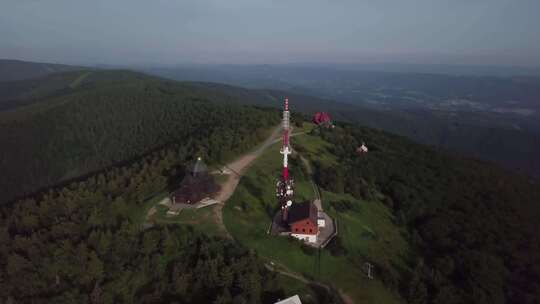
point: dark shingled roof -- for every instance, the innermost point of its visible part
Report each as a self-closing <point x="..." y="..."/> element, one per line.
<point x="302" y="211"/>
<point x="194" y="188"/>
<point x="199" y="167"/>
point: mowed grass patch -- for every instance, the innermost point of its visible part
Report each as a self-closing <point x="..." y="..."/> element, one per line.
<point x="202" y="219"/>
<point x="247" y="216"/>
<point x="308" y="293"/>
<point x="368" y="230"/>
<point x="306" y="127"/>
<point x="314" y="147"/>
<point x="221" y="178"/>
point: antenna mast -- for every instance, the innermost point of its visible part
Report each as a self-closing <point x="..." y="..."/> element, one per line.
<point x="285" y="149"/>
<point x="284" y="186"/>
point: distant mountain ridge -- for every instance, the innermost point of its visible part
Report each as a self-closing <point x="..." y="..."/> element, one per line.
<point x="11" y="70"/>
<point x="444" y="69"/>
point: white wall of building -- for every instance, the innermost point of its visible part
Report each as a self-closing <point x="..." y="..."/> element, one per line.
<point x="311" y="238"/>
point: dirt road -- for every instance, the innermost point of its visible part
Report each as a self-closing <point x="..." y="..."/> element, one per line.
<point x="238" y="167"/>
<point x="283" y="271"/>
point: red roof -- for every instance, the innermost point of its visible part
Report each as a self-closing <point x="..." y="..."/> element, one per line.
<point x="301" y="212"/>
<point x="321" y="118"/>
<point x="302" y="218"/>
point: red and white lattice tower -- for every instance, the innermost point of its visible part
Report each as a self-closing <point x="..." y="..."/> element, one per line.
<point x="285" y="149"/>
<point x="284" y="186"/>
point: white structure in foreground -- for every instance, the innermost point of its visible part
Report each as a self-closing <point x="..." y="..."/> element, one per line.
<point x="309" y="238"/>
<point x="321" y="221"/>
<point x="292" y="300"/>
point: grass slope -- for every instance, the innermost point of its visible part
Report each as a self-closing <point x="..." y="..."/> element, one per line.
<point x="247" y="216"/>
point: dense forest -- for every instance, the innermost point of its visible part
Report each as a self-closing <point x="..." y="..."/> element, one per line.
<point x="105" y="118"/>
<point x="60" y="251"/>
<point x="84" y="242"/>
<point x="473" y="225"/>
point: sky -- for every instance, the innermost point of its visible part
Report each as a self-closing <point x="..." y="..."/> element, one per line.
<point x="168" y="32"/>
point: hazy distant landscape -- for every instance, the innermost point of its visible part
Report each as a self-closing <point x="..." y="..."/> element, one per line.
<point x="97" y="148"/>
<point x="491" y="118"/>
<point x="496" y="118"/>
<point x="270" y="152"/>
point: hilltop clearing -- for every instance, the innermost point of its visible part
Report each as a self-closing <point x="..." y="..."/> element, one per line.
<point x="437" y="228"/>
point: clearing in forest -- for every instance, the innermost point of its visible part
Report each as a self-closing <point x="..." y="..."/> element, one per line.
<point x="367" y="232"/>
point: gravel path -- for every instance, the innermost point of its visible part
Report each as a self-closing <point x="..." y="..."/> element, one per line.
<point x="239" y="166"/>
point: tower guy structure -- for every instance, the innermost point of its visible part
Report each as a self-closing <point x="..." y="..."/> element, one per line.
<point x="305" y="220"/>
<point x="284" y="186"/>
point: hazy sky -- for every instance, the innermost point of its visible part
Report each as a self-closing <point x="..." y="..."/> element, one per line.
<point x="503" y="32"/>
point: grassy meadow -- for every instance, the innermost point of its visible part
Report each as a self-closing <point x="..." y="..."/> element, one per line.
<point x="366" y="232"/>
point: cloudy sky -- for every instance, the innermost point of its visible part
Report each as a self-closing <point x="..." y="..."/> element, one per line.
<point x="492" y="32"/>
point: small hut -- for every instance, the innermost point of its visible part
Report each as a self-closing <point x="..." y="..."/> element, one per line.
<point x="303" y="221"/>
<point x="195" y="186"/>
<point x="322" y="119"/>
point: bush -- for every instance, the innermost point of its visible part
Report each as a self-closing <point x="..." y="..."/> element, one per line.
<point x="345" y="205"/>
<point x="308" y="249"/>
<point x="336" y="247"/>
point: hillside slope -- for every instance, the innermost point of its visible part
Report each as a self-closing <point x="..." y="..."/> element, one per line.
<point x="473" y="225"/>
<point x="488" y="137"/>
<point x="438" y="228"/>
<point x="492" y="118"/>
<point x="15" y="94"/>
<point x="114" y="116"/>
<point x="11" y="70"/>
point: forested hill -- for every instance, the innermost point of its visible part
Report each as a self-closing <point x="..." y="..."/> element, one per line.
<point x="15" y="94"/>
<point x="475" y="134"/>
<point x="474" y="226"/>
<point x="85" y="121"/>
<point x="489" y="137"/>
<point x="17" y="70"/>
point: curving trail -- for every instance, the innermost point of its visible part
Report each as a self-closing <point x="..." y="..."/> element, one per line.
<point x="238" y="167"/>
